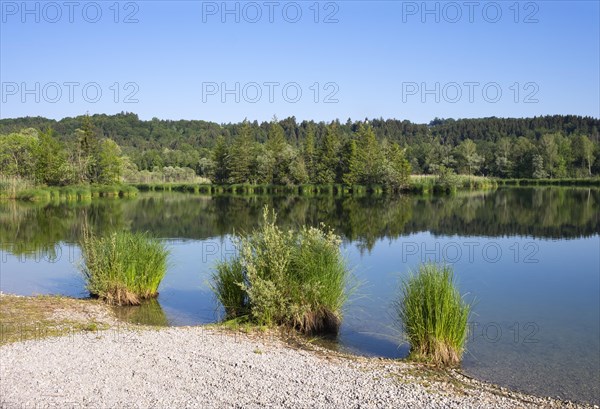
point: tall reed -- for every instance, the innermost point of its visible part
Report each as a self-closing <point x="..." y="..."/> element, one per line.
<point x="123" y="268"/>
<point x="434" y="315"/>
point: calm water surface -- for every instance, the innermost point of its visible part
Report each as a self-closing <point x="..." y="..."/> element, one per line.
<point x="528" y="257"/>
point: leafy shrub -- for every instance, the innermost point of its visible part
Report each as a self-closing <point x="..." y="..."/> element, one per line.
<point x="293" y="278"/>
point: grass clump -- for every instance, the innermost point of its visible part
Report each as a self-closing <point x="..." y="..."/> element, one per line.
<point x="434" y="315"/>
<point x="291" y="278"/>
<point x="123" y="268"/>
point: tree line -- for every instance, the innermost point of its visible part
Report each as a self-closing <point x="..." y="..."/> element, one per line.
<point x="105" y="149"/>
<point x="40" y="157"/>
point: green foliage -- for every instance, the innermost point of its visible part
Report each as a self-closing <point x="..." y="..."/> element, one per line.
<point x="51" y="161"/>
<point x="585" y="152"/>
<point x="220" y="154"/>
<point x="73" y="193"/>
<point x="227" y="286"/>
<point x="289" y="153"/>
<point x="240" y="157"/>
<point x="295" y="278"/>
<point x="109" y="162"/>
<point x="327" y="156"/>
<point x="39" y="156"/>
<point x="470" y="160"/>
<point x="447" y="180"/>
<point x="366" y="165"/>
<point x="396" y="168"/>
<point x="11" y="186"/>
<point x="123" y="268"/>
<point x="434" y="315"/>
<point x="309" y="153"/>
<point x="17" y="153"/>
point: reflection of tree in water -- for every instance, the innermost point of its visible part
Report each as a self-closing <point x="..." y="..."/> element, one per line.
<point x="148" y="313"/>
<point x="537" y="212"/>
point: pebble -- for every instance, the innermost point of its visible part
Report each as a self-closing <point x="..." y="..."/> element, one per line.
<point x="196" y="367"/>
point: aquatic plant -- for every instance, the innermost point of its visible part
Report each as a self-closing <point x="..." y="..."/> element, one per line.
<point x="434" y="315"/>
<point x="123" y="268"/>
<point x="294" y="278"/>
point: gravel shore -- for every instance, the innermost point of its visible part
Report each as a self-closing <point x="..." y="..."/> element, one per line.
<point x="199" y="367"/>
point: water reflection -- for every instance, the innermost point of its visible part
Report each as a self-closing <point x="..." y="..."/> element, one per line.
<point x="529" y="255"/>
<point x="35" y="230"/>
<point x="148" y="313"/>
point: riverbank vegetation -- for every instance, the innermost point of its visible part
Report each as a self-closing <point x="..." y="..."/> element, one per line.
<point x="377" y="154"/>
<point x="445" y="182"/>
<point x="433" y="315"/>
<point x="23" y="318"/>
<point x="21" y="190"/>
<point x="586" y="182"/>
<point x="295" y="278"/>
<point x="123" y="268"/>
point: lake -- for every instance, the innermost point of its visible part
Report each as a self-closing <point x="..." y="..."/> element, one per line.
<point x="529" y="259"/>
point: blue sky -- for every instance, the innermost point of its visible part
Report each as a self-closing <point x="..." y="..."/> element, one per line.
<point x="404" y="60"/>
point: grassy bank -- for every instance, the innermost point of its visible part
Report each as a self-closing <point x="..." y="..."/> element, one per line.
<point x="448" y="183"/>
<point x="434" y="315"/>
<point x="419" y="184"/>
<point x="79" y="193"/>
<point x="23" y="318"/>
<point x="590" y="182"/>
<point x="123" y="268"/>
<point x="291" y="278"/>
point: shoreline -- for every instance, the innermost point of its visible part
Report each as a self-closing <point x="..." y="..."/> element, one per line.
<point x="114" y="364"/>
<point x="417" y="185"/>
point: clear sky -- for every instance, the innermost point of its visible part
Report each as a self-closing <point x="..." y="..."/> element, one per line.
<point x="315" y="60"/>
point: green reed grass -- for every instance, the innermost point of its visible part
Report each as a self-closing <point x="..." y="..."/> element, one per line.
<point x="434" y="315"/>
<point x="34" y="195"/>
<point x="123" y="268"/>
<point x="291" y="278"/>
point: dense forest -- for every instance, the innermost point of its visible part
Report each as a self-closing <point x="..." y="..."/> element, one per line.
<point x="107" y="149"/>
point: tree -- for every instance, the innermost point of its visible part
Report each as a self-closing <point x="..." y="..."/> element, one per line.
<point x="276" y="146"/>
<point x="87" y="151"/>
<point x="539" y="171"/>
<point x="109" y="162"/>
<point x="309" y="152"/>
<point x="583" y="152"/>
<point x="441" y="154"/>
<point x="327" y="155"/>
<point x="366" y="167"/>
<point x="396" y="168"/>
<point x="18" y="153"/>
<point x="262" y="165"/>
<point x="549" y="153"/>
<point x="522" y="157"/>
<point x="220" y="155"/>
<point x="51" y="164"/>
<point x="468" y="156"/>
<point x="350" y="163"/>
<point x="240" y="157"/>
<point x="503" y="163"/>
<point x="297" y="170"/>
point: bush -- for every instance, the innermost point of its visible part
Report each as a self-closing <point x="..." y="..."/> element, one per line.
<point x="434" y="315"/>
<point x="123" y="268"/>
<point x="293" y="278"/>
